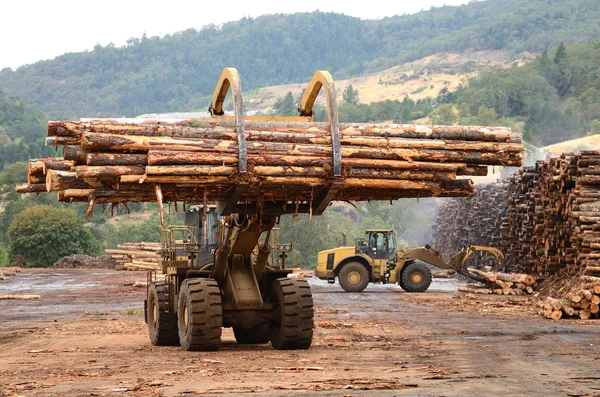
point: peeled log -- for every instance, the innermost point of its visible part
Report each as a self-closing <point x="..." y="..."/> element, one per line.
<point x="464" y="288"/>
<point x="516" y="278"/>
<point x="19" y="297"/>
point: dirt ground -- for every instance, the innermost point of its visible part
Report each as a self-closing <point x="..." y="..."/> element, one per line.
<point x="86" y="337"/>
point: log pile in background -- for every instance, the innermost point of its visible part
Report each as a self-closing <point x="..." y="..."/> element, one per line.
<point x="545" y="219"/>
<point x="106" y="161"/>
<point x="136" y="256"/>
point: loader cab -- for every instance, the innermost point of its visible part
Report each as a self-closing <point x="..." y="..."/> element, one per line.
<point x="377" y="244"/>
<point x="207" y="231"/>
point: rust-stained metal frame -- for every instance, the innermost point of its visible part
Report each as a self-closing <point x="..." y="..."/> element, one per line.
<point x="320" y="79"/>
<point x="323" y="79"/>
<point x="230" y="78"/>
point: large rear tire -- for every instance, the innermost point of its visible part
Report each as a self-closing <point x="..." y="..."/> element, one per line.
<point x="199" y="314"/>
<point x="354" y="277"/>
<point x="253" y="335"/>
<point x="415" y="277"/>
<point x="162" y="326"/>
<point x="291" y="326"/>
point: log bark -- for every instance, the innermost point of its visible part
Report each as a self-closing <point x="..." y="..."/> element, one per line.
<point x="101" y="159"/>
<point x="31" y="188"/>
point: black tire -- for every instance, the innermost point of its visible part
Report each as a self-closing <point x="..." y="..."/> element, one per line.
<point x="162" y="326"/>
<point x="402" y="272"/>
<point x="199" y="315"/>
<point x="292" y="322"/>
<point x="354" y="277"/>
<point x="253" y="335"/>
<point x="415" y="277"/>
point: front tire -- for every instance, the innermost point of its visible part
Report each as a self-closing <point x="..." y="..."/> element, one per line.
<point x="162" y="326"/>
<point x="199" y="315"/>
<point x="291" y="326"/>
<point x="353" y="277"/>
<point x="415" y="277"/>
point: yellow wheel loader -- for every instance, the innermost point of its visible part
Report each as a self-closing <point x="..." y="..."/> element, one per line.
<point x="375" y="259"/>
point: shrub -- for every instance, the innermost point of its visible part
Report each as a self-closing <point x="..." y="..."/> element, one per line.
<point x="42" y="235"/>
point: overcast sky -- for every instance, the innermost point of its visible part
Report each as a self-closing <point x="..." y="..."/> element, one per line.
<point x="34" y="30"/>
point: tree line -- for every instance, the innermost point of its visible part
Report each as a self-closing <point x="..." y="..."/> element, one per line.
<point x="178" y="71"/>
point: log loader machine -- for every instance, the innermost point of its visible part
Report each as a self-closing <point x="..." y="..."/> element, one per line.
<point x="218" y="282"/>
<point x="376" y="260"/>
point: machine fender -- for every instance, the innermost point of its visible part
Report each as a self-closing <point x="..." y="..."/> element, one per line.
<point x="358" y="258"/>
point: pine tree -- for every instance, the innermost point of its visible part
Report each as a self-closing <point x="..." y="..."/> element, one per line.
<point x="350" y="95"/>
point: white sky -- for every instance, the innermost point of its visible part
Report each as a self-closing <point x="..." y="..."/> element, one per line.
<point x="32" y="30"/>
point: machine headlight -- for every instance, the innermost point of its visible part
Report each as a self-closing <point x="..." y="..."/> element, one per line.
<point x="284" y="247"/>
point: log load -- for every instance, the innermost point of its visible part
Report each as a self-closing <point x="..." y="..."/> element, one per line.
<point x="110" y="161"/>
<point x="501" y="283"/>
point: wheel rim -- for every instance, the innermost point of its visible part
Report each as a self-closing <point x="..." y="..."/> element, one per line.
<point x="354" y="277"/>
<point x="416" y="278"/>
<point x="154" y="313"/>
<point x="185" y="316"/>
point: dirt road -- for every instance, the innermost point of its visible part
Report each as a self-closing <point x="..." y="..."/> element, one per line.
<point x="86" y="337"/>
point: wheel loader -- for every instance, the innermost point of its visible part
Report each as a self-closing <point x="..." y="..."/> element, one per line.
<point x="375" y="259"/>
<point x="216" y="271"/>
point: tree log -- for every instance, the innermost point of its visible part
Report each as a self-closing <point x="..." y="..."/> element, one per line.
<point x="99" y="159"/>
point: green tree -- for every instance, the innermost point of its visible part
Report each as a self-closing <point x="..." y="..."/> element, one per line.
<point x="42" y="235"/>
<point x="560" y="54"/>
<point x="350" y="95"/>
<point x="486" y="116"/>
<point x="594" y="127"/>
<point x="444" y="114"/>
<point x="286" y="106"/>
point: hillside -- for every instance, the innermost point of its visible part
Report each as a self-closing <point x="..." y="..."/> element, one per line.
<point x="591" y="142"/>
<point x="419" y="79"/>
<point x="178" y="72"/>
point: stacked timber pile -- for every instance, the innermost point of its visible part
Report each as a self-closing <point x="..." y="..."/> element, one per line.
<point x="549" y="222"/>
<point x="136" y="256"/>
<point x="109" y="161"/>
<point x="580" y="300"/>
<point x="584" y="212"/>
<point x="502" y="284"/>
<point x="476" y="220"/>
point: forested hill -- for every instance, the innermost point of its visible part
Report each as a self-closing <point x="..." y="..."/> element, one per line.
<point x="178" y="72"/>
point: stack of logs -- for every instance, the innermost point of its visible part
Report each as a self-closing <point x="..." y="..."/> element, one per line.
<point x="584" y="304"/>
<point x="502" y="284"/>
<point x="545" y="218"/>
<point x="109" y="161"/>
<point x="136" y="256"/>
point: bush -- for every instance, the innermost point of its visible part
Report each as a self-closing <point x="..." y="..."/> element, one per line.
<point x="42" y="235"/>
